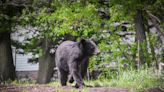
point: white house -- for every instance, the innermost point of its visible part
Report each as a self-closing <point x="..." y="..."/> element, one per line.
<point x="23" y="68"/>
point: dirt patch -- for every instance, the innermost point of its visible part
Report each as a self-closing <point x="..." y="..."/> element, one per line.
<point x="105" y="89"/>
<point x="45" y="88"/>
<point x="40" y="88"/>
<point x="155" y="90"/>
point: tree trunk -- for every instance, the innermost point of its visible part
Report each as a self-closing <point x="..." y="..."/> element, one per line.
<point x="140" y="37"/>
<point x="154" y="22"/>
<point x="46" y="64"/>
<point x="7" y="69"/>
<point x="139" y="25"/>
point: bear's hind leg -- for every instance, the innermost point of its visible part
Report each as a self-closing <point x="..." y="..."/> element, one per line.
<point x="63" y="77"/>
<point x="71" y="80"/>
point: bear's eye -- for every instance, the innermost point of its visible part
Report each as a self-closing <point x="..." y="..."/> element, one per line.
<point x="92" y="48"/>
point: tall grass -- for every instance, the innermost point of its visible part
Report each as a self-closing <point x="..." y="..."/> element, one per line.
<point x="133" y="80"/>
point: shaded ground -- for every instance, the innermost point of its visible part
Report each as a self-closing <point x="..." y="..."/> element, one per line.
<point x="44" y="88"/>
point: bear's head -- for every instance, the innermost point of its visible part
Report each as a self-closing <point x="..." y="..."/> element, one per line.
<point x="89" y="47"/>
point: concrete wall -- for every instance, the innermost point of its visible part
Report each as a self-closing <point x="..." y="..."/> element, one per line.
<point x="27" y="75"/>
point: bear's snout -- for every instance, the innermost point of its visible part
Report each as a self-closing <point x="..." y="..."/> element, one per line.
<point x="97" y="52"/>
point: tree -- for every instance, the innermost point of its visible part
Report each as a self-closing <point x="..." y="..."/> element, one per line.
<point x="46" y="63"/>
<point x="140" y="37"/>
<point x="9" y="11"/>
<point x="138" y="11"/>
<point x="7" y="69"/>
<point x="55" y="23"/>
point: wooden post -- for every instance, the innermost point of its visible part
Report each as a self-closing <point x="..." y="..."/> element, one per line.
<point x="161" y="66"/>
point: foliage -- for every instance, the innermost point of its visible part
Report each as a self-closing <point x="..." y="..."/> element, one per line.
<point x="135" y="81"/>
<point x="59" y="19"/>
<point x="74" y="20"/>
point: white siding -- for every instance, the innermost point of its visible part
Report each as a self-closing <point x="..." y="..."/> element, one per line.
<point x="21" y="60"/>
<point x="22" y="64"/>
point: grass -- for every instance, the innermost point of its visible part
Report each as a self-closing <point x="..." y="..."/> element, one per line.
<point x="20" y="83"/>
<point x="134" y="81"/>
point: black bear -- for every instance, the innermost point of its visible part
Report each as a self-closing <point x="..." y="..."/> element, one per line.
<point x="72" y="59"/>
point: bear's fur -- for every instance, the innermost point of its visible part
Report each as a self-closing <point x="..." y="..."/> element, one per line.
<point x="72" y="59"/>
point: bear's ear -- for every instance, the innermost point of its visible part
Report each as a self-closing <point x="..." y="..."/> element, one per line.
<point x="82" y="41"/>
